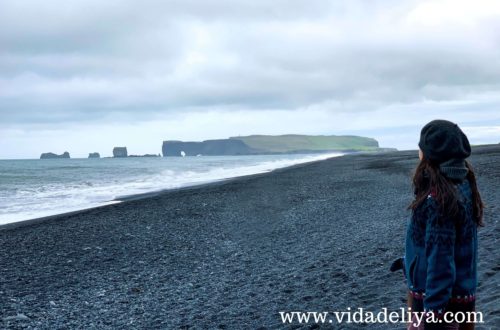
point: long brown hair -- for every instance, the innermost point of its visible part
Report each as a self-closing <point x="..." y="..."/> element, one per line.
<point x="428" y="180"/>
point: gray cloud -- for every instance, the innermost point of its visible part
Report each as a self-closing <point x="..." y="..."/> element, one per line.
<point x="91" y="61"/>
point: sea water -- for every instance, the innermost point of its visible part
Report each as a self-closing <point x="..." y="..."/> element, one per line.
<point x="35" y="188"/>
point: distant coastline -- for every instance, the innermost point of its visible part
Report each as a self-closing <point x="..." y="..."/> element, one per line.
<point x="252" y="145"/>
<point x="271" y="145"/>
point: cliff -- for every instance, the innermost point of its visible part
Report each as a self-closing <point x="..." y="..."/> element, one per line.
<point x="207" y="148"/>
<point x="120" y="152"/>
<point x="51" y="155"/>
<point x="269" y="144"/>
<point x="94" y="155"/>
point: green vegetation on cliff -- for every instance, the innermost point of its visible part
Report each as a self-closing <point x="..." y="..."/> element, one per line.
<point x="295" y="142"/>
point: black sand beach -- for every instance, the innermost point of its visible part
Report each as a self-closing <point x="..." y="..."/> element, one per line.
<point x="316" y="237"/>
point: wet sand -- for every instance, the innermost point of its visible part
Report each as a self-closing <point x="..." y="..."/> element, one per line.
<point x="232" y="255"/>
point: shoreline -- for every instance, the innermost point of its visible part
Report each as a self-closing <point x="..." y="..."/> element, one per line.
<point x="152" y="194"/>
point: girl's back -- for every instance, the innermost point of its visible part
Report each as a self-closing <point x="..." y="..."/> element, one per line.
<point x="441" y="241"/>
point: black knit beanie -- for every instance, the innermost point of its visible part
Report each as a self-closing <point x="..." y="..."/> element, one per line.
<point x="442" y="140"/>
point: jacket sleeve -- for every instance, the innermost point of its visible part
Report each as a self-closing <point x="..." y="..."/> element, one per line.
<point x="439" y="249"/>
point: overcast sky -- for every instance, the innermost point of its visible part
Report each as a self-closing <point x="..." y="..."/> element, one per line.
<point x="84" y="76"/>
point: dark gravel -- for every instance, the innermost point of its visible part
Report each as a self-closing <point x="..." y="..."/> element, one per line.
<point x="314" y="237"/>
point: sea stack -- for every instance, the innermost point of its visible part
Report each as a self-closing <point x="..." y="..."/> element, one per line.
<point x="119" y="152"/>
<point x="94" y="155"/>
<point x="51" y="155"/>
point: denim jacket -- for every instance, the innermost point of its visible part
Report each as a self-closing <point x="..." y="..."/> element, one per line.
<point x="441" y="252"/>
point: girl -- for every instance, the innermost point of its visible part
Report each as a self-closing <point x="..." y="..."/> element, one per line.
<point x="441" y="242"/>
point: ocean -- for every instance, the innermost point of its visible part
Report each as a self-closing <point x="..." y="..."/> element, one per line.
<point x="36" y="188"/>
